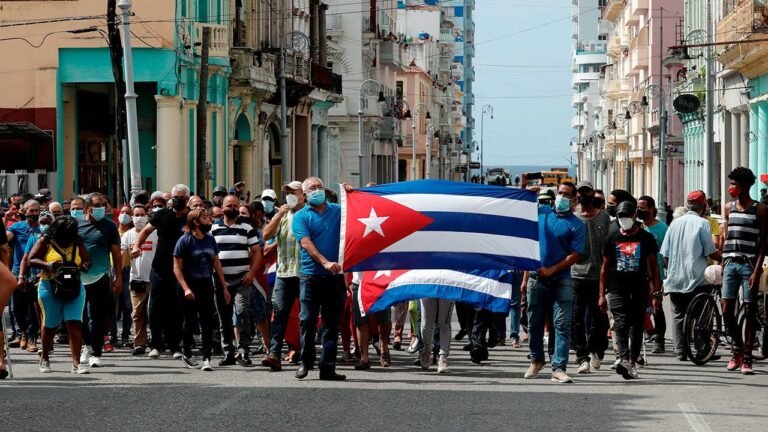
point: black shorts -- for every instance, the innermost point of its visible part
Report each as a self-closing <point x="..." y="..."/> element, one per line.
<point x="382" y="317"/>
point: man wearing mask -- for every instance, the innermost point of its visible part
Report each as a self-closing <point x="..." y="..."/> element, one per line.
<point x="590" y="342"/>
<point x="550" y="288"/>
<point x="102" y="240"/>
<point x="646" y="213"/>
<point x="77" y="209"/>
<point x="124" y="308"/>
<point x="743" y="255"/>
<point x="165" y="315"/>
<point x="268" y="199"/>
<point x="219" y="193"/>
<point x="23" y="299"/>
<point x="616" y="197"/>
<point x="686" y="248"/>
<point x="286" y="290"/>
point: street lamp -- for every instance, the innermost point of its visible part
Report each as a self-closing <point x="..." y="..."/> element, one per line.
<point x="297" y="42"/>
<point x="487" y="109"/>
<point x="420" y="108"/>
<point x="656" y="91"/>
<point x="368" y="87"/>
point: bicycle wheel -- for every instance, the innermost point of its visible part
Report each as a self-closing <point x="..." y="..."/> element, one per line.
<point x="759" y="349"/>
<point x="702" y="328"/>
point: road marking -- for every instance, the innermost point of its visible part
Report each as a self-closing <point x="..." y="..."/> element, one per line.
<point x="695" y="420"/>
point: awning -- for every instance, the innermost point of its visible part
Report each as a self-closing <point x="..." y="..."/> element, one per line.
<point x="23" y="130"/>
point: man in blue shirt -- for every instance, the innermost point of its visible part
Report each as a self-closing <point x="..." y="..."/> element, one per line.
<point x="23" y="298"/>
<point x="550" y="289"/>
<point x="317" y="228"/>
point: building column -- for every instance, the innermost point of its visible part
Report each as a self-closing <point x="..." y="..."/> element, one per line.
<point x="753" y="143"/>
<point x="728" y="154"/>
<point x="762" y="138"/>
<point x="169" y="143"/>
<point x="744" y="138"/>
<point x="733" y="128"/>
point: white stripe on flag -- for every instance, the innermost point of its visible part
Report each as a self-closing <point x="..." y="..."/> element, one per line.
<point x="462" y="242"/>
<point x="453" y="278"/>
<point x="468" y="204"/>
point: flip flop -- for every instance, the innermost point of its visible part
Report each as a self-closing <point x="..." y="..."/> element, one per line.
<point x="386" y="359"/>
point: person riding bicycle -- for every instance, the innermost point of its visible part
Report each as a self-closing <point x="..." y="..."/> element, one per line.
<point x="744" y="248"/>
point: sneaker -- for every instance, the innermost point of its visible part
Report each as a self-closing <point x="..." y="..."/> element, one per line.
<point x="244" y="358"/>
<point x="746" y="368"/>
<point x="658" y="348"/>
<point x="560" y="376"/>
<point x="108" y="347"/>
<point x="426" y="358"/>
<point x="15" y="342"/>
<point x="595" y="362"/>
<point x="154" y="354"/>
<point x="615" y="364"/>
<point x="45" y="366"/>
<point x="137" y="351"/>
<point x="633" y="371"/>
<point x="190" y="362"/>
<point x="31" y="346"/>
<point x="94" y="361"/>
<point x="583" y="368"/>
<point x="623" y="370"/>
<point x="735" y="362"/>
<point x="442" y="364"/>
<point x="228" y="360"/>
<point x="177" y="355"/>
<point x="533" y="370"/>
<point x="207" y="366"/>
<point x="414" y="347"/>
<point x="80" y="369"/>
<point x="642" y="362"/>
<point x="85" y="353"/>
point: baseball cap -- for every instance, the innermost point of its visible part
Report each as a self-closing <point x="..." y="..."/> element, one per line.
<point x="626" y="208"/>
<point x="219" y="190"/>
<point x="697" y="197"/>
<point x="269" y="193"/>
<point x="584" y="184"/>
<point x="546" y="195"/>
<point x="294" y="185"/>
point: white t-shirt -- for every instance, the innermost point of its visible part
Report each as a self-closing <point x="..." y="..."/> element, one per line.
<point x="141" y="266"/>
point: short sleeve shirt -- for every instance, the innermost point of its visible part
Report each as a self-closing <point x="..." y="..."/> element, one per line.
<point x="197" y="255"/>
<point x="141" y="266"/>
<point x="288" y="249"/>
<point x="686" y="246"/>
<point x="591" y="261"/>
<point x="628" y="260"/>
<point x="659" y="231"/>
<point x="324" y="229"/>
<point x="33" y="271"/>
<point x="21" y="232"/>
<point x="559" y="236"/>
<point x="98" y="237"/>
<point x="235" y="244"/>
<point x="169" y="229"/>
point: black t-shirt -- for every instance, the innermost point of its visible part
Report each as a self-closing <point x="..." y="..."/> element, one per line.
<point x="3" y="235"/>
<point x="169" y="229"/>
<point x="628" y="255"/>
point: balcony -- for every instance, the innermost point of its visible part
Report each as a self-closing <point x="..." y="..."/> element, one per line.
<point x="575" y="31"/>
<point x="637" y="8"/>
<point x="391" y="54"/>
<point x="577" y="98"/>
<point x="323" y="78"/>
<point x="616" y="88"/>
<point x="297" y="67"/>
<point x="446" y="36"/>
<point x="744" y="21"/>
<point x="253" y="69"/>
<point x="584" y="77"/>
<point x="577" y="122"/>
<point x="219" y="46"/>
<point x="612" y="10"/>
<point x="638" y="59"/>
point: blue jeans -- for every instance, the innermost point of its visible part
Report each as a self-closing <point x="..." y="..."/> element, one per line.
<point x="286" y="292"/>
<point x="555" y="295"/>
<point x="514" y="306"/>
<point x="326" y="295"/>
<point x="736" y="274"/>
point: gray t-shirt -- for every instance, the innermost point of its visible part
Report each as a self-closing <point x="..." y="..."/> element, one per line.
<point x="592" y="259"/>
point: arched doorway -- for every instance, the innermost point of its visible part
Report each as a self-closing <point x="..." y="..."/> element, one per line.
<point x="242" y="157"/>
<point x="272" y="143"/>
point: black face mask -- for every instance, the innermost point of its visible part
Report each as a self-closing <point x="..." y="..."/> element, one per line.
<point x="33" y="218"/>
<point x="205" y="228"/>
<point x="218" y="201"/>
<point x="586" y="200"/>
<point x="611" y="210"/>
<point x="598" y="202"/>
<point x="231" y="214"/>
<point x="642" y="214"/>
<point x="179" y="203"/>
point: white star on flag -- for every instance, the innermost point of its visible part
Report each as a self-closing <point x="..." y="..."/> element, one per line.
<point x="373" y="223"/>
<point x="381" y="273"/>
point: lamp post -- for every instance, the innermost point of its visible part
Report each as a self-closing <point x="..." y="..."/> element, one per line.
<point x="487" y="109"/>
<point x="656" y="91"/>
<point x="368" y="87"/>
<point x="418" y="109"/>
<point x="134" y="153"/>
<point x="634" y="108"/>
<point x="297" y="42"/>
<point x="431" y="133"/>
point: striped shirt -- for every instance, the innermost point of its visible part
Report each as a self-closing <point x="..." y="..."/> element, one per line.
<point x="743" y="233"/>
<point x="288" y="249"/>
<point x="234" y="244"/>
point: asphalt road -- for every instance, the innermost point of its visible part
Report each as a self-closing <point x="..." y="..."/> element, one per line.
<point x="136" y="394"/>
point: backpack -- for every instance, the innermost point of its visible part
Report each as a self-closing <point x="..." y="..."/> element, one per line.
<point x="66" y="279"/>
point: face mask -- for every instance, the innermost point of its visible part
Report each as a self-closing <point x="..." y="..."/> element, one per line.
<point x="611" y="209"/>
<point x="218" y="201"/>
<point x="124" y="218"/>
<point x="734" y="191"/>
<point x="77" y="214"/>
<point x="291" y="200"/>
<point x="99" y="213"/>
<point x="157" y="208"/>
<point x="562" y="204"/>
<point x="33" y="218"/>
<point x="43" y="228"/>
<point x="178" y="204"/>
<point x="140" y="221"/>
<point x="642" y="214"/>
<point x="626" y="223"/>
<point x="218" y="221"/>
<point x="205" y="228"/>
<point x="598" y="202"/>
<point x="231" y="213"/>
<point x="316" y="198"/>
<point x="268" y="206"/>
<point x="586" y="200"/>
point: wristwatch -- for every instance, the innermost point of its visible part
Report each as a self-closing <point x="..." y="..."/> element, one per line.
<point x="658" y="294"/>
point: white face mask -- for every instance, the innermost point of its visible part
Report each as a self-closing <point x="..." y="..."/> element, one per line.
<point x="124" y="218"/>
<point x="626" y="223"/>
<point x="140" y="222"/>
<point x="292" y="200"/>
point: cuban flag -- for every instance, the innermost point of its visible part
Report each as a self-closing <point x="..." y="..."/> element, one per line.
<point x="487" y="289"/>
<point x="435" y="224"/>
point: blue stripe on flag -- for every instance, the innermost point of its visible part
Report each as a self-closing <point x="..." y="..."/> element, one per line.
<point x="444" y="260"/>
<point x="485" y="224"/>
<point x="418" y="291"/>
<point x="444" y="187"/>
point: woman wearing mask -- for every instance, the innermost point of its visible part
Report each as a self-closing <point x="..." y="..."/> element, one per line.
<point x="32" y="275"/>
<point x="195" y="258"/>
<point x="61" y="242"/>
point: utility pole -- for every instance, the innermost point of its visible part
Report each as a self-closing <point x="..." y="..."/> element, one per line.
<point x="662" y="194"/>
<point x="202" y="116"/>
<point x="116" y="58"/>
<point x="130" y="98"/>
<point x="709" y="178"/>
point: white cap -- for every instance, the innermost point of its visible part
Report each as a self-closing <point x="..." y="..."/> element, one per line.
<point x="269" y="193"/>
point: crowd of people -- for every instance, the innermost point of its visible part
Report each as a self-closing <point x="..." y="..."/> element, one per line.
<point x="190" y="278"/>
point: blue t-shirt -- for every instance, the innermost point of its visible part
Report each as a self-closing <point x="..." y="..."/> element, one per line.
<point x="98" y="237"/>
<point x="33" y="271"/>
<point x="21" y="232"/>
<point x="324" y="230"/>
<point x="559" y="236"/>
<point x="659" y="231"/>
<point x="197" y="255"/>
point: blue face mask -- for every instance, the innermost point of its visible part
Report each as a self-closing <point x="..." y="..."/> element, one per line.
<point x="77" y="214"/>
<point x="562" y="204"/>
<point x="98" y="213"/>
<point x="268" y="206"/>
<point x="43" y="228"/>
<point x="316" y="197"/>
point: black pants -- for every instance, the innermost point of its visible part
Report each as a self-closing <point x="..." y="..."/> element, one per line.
<point x="466" y="316"/>
<point x="200" y="310"/>
<point x="680" y="303"/>
<point x="165" y="317"/>
<point x="628" y="309"/>
<point x="484" y="323"/>
<point x="589" y="326"/>
<point x="24" y="309"/>
<point x="659" y="326"/>
<point x="98" y="305"/>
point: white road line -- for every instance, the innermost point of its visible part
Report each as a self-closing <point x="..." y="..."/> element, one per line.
<point x="695" y="420"/>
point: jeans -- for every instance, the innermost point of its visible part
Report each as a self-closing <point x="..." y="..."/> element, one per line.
<point x="514" y="306"/>
<point x="736" y="274"/>
<point x="241" y="305"/>
<point x="200" y="310"/>
<point x="98" y="301"/>
<point x="165" y="317"/>
<point x="592" y="339"/>
<point x="555" y="295"/>
<point x="628" y="309"/>
<point x="284" y="294"/>
<point x="326" y="295"/>
<point x="680" y="303"/>
<point x="436" y="311"/>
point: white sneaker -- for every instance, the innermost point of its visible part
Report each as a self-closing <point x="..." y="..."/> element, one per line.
<point x="616" y="363"/>
<point x="583" y="368"/>
<point x="595" y="362"/>
<point x="207" y="366"/>
<point x="94" y="361"/>
<point x="80" y="369"/>
<point x="154" y="354"/>
<point x="45" y="366"/>
<point x="442" y="364"/>
<point x="623" y="370"/>
<point x="560" y="376"/>
<point x="176" y="355"/>
<point x="85" y="353"/>
<point x="633" y="371"/>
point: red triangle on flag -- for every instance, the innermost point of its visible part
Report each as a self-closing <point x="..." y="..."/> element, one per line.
<point x="374" y="223"/>
<point x="374" y="283"/>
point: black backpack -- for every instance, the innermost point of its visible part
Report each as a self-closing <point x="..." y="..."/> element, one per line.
<point x="66" y="279"/>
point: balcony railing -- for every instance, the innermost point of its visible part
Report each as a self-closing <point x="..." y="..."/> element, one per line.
<point x="219" y="46"/>
<point x="297" y="67"/>
<point x="253" y="67"/>
<point x="391" y="54"/>
<point x="323" y="78"/>
<point x="741" y="19"/>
